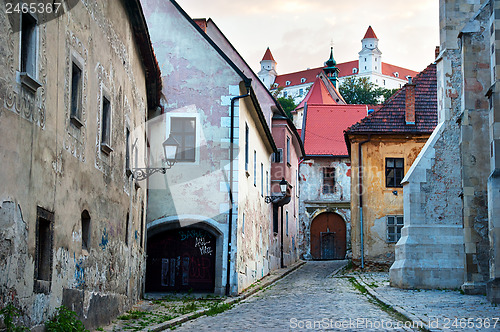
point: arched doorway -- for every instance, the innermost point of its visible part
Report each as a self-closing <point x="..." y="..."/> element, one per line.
<point x="328" y="237"/>
<point x="182" y="259"/>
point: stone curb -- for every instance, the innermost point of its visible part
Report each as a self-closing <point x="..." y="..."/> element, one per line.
<point x="249" y="292"/>
<point x="390" y="304"/>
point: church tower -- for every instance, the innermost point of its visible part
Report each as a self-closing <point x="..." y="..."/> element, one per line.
<point x="331" y="71"/>
<point x="267" y="73"/>
<point x="370" y="57"/>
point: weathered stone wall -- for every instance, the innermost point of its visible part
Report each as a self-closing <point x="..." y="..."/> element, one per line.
<point x="49" y="163"/>
<point x="313" y="201"/>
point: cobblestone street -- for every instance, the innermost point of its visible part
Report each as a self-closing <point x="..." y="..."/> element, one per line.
<point x="307" y="295"/>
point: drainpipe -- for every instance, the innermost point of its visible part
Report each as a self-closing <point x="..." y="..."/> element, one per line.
<point x="231" y="157"/>
<point x="360" y="193"/>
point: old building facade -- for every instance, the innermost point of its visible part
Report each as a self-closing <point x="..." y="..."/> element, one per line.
<point x="382" y="147"/>
<point x="72" y="86"/>
<point x="462" y="206"/>
<point x="212" y="205"/>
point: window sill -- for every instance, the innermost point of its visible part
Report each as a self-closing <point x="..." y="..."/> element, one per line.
<point x="41" y="286"/>
<point x="106" y="148"/>
<point x="76" y="121"/>
<point x="29" y="82"/>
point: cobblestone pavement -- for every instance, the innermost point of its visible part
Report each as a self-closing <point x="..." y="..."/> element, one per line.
<point x="306" y="297"/>
<point x="446" y="310"/>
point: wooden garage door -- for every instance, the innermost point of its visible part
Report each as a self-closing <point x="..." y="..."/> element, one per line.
<point x="328" y="237"/>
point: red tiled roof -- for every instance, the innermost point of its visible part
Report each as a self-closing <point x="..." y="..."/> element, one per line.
<point x="345" y="70"/>
<point x="370" y="33"/>
<point x="268" y="55"/>
<point x="318" y="94"/>
<point x="390" y="118"/>
<point x="325" y="125"/>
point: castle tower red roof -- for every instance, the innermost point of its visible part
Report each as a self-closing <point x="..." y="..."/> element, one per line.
<point x="268" y="55"/>
<point x="370" y="33"/>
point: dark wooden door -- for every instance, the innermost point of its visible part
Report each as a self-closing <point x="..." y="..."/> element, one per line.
<point x="328" y="223"/>
<point x="327" y="245"/>
<point x="181" y="260"/>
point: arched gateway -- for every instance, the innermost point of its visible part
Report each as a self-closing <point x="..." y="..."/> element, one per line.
<point x="181" y="259"/>
<point x="328" y="236"/>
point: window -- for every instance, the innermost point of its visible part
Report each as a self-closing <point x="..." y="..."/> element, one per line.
<point x="365" y="59"/>
<point x="394" y="172"/>
<point x="126" y="228"/>
<point x="267" y="183"/>
<point x="285" y="94"/>
<point x="384" y="82"/>
<point x="303" y="80"/>
<point x="288" y="151"/>
<point x="301" y="92"/>
<point x="396" y="74"/>
<point x="142" y="226"/>
<point x="365" y="67"/>
<point x="375" y="67"/>
<point x="287" y="83"/>
<point x="286" y="223"/>
<point x="275" y="219"/>
<point x="354" y="70"/>
<point x="328" y="180"/>
<point x="106" y="126"/>
<point x="28" y="45"/>
<point x="254" y="168"/>
<point x="85" y="219"/>
<point x="246" y="146"/>
<point x="394" y="225"/>
<point x="184" y="131"/>
<point x="43" y="259"/>
<point x="375" y="59"/>
<point x="262" y="180"/>
<point x="278" y="156"/>
<point x="76" y="95"/>
<point x="127" y="152"/>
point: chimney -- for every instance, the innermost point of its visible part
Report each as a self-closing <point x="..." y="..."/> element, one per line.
<point x="410" y="102"/>
<point x="202" y="23"/>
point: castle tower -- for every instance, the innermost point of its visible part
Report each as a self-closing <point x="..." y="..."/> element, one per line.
<point x="267" y="73"/>
<point x="331" y="70"/>
<point x="370" y="57"/>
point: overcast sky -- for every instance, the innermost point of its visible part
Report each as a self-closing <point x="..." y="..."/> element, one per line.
<point x="300" y="32"/>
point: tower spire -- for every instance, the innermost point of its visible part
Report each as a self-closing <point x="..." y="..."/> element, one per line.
<point x="331" y="70"/>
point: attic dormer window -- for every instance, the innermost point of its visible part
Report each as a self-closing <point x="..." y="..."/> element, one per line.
<point x="287" y="83"/>
<point x="275" y="85"/>
<point x="354" y="70"/>
<point x="302" y="80"/>
<point x="396" y="74"/>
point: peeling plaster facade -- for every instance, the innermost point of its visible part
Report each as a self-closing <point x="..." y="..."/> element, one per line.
<point x="467" y="220"/>
<point x="313" y="202"/>
<point x="379" y="201"/>
<point x="199" y="82"/>
<point x="55" y="172"/>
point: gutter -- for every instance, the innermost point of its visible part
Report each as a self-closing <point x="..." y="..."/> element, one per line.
<point x="231" y="161"/>
<point x="360" y="193"/>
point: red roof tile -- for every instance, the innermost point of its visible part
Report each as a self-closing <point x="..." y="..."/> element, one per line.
<point x="390" y="118"/>
<point x="345" y="70"/>
<point x="268" y="55"/>
<point x="370" y="33"/>
<point x="318" y="94"/>
<point x="325" y="125"/>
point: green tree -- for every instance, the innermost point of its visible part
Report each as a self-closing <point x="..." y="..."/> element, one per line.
<point x="362" y="91"/>
<point x="288" y="105"/>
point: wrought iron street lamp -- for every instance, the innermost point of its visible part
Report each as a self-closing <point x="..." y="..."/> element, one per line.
<point x="283" y="186"/>
<point x="169" y="150"/>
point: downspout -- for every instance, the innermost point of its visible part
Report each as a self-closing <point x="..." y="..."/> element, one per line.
<point x="360" y="193"/>
<point x="231" y="157"/>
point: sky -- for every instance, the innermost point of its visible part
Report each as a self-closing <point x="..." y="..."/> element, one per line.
<point x="301" y="32"/>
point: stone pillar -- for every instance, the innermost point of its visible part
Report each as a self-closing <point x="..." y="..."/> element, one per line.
<point x="474" y="148"/>
<point x="430" y="253"/>
<point x="493" y="285"/>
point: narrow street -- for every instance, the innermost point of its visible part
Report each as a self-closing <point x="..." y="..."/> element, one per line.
<point x="306" y="297"/>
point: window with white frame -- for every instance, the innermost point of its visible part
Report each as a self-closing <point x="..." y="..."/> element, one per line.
<point x="288" y="161"/>
<point x="303" y="80"/>
<point x="287" y="83"/>
<point x="76" y="95"/>
<point x="278" y="156"/>
<point x="261" y="179"/>
<point x="183" y="129"/>
<point x="247" y="134"/>
<point x="286" y="222"/>
<point x="394" y="226"/>
<point x="254" y="168"/>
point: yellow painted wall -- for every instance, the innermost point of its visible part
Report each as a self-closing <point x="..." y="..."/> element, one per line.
<point x="378" y="200"/>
